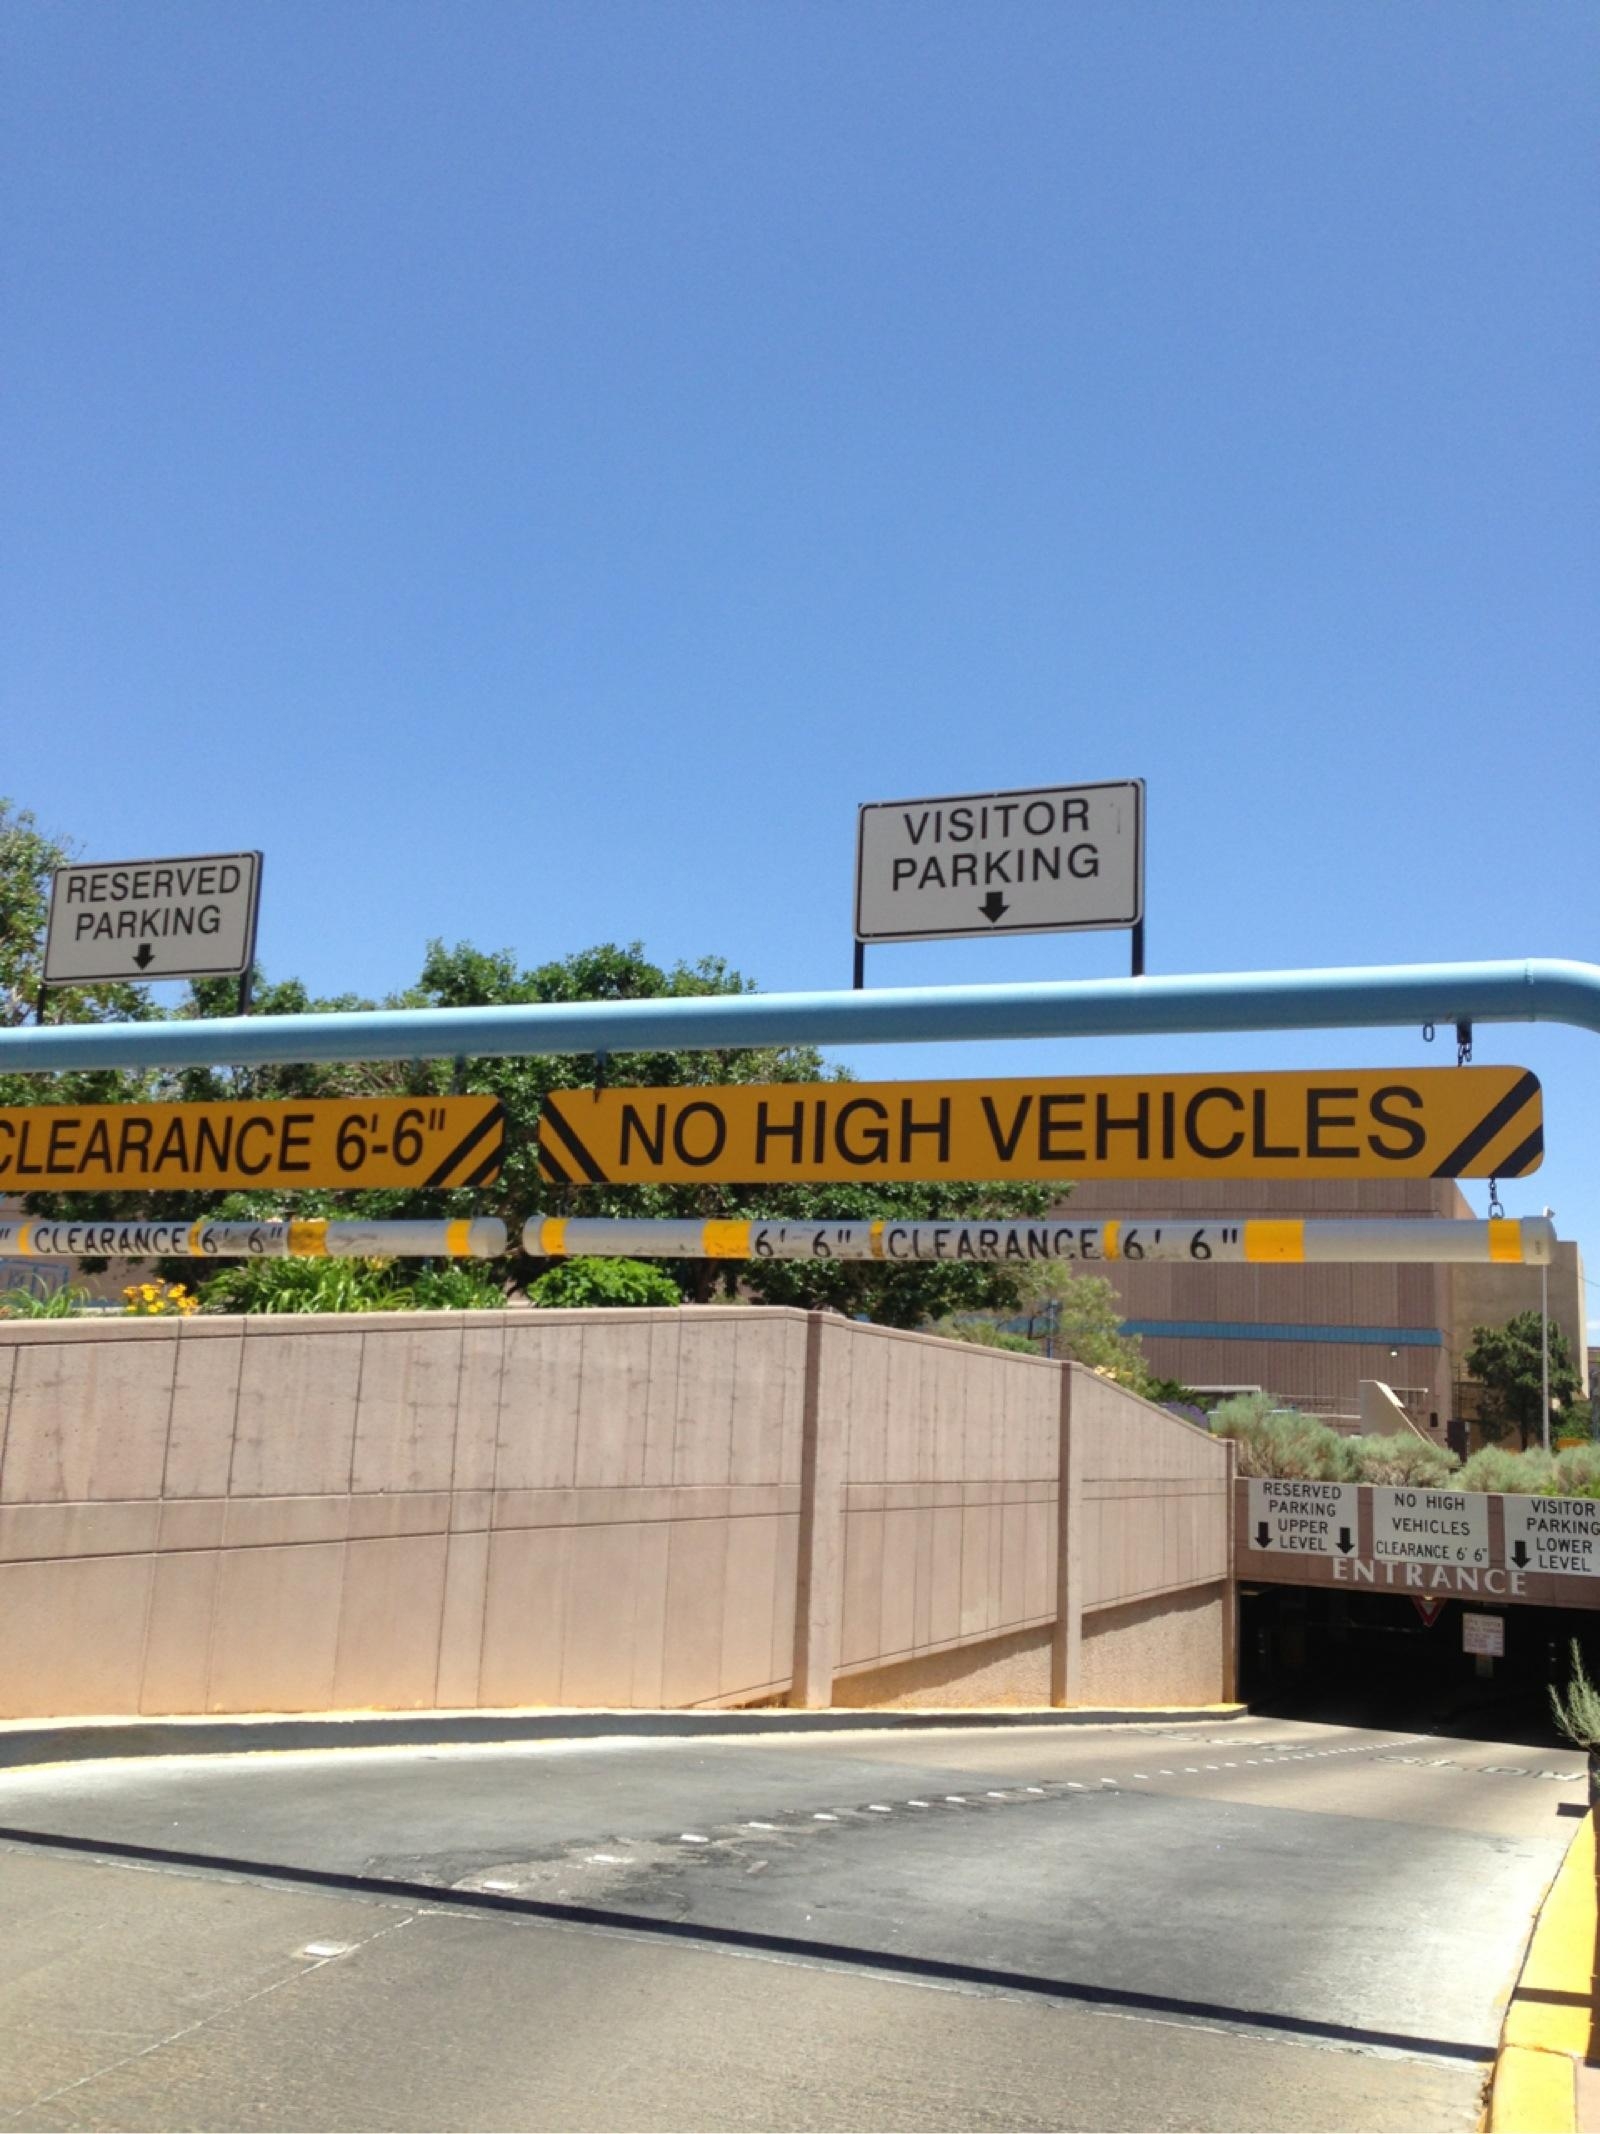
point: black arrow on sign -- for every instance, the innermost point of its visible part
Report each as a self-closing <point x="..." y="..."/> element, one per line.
<point x="1345" y="1543"/>
<point x="1263" y="1535"/>
<point x="992" y="906"/>
<point x="1519" y="1554"/>
<point x="144" y="955"/>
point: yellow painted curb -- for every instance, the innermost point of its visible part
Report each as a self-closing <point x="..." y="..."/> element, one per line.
<point x="1534" y="2092"/>
<point x="1549" y="2022"/>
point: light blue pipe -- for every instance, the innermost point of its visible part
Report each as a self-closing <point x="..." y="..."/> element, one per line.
<point x="1543" y="989"/>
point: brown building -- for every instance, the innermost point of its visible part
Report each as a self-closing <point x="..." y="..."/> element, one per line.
<point x="1312" y="1334"/>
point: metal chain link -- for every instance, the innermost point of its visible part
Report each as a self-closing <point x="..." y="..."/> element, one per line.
<point x="1463" y="1044"/>
<point x="1496" y="1212"/>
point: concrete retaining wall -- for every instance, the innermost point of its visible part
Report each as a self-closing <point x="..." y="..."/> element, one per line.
<point x="691" y="1507"/>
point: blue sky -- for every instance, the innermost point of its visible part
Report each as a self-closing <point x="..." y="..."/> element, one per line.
<point x="533" y="470"/>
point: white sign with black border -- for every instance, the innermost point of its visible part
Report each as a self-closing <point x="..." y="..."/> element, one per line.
<point x="1553" y="1534"/>
<point x="1484" y="1634"/>
<point x="1292" y="1518"/>
<point x="131" y="920"/>
<point x="1441" y="1526"/>
<point x="1044" y="859"/>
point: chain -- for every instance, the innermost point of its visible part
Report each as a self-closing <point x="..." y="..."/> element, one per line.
<point x="1496" y="1212"/>
<point x="1463" y="1043"/>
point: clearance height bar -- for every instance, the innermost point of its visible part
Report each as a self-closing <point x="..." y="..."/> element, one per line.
<point x="1455" y="1122"/>
<point x="1526" y="1243"/>
<point x="482" y="1238"/>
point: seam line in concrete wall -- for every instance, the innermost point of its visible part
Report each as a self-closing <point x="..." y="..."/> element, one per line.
<point x="5" y="1417"/>
<point x="990" y="1635"/>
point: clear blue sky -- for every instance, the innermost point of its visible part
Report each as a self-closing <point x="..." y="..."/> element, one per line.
<point x="534" y="469"/>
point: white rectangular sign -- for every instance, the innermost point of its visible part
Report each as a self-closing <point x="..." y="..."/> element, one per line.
<point x="1444" y="1526"/>
<point x="1303" y="1518"/>
<point x="1484" y="1634"/>
<point x="137" y="919"/>
<point x="1553" y="1534"/>
<point x="1043" y="860"/>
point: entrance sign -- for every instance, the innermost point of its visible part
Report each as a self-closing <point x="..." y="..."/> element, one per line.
<point x="1484" y="1635"/>
<point x="321" y="1141"/>
<point x="1553" y="1534"/>
<point x="1044" y="860"/>
<point x="1449" y="1122"/>
<point x="134" y="919"/>
<point x="1304" y="1518"/>
<point x="476" y="1238"/>
<point x="1440" y="1526"/>
<point x="1228" y="1241"/>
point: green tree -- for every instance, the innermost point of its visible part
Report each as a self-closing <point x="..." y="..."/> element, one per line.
<point x="29" y="856"/>
<point x="1506" y="1362"/>
<point x="1082" y="1316"/>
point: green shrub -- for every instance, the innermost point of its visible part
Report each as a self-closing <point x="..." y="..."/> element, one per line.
<point x="462" y="1286"/>
<point x="573" y="1285"/>
<point x="984" y="1334"/>
<point x="1495" y="1468"/>
<point x="28" y="1304"/>
<point x="1577" y="1713"/>
<point x="1402" y="1461"/>
<point x="1282" y="1442"/>
<point x="1578" y="1471"/>
<point x="304" y="1286"/>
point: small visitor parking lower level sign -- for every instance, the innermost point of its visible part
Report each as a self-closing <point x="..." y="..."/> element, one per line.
<point x="1042" y="860"/>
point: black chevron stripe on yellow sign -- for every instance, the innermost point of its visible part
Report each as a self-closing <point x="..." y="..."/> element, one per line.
<point x="1452" y="1122"/>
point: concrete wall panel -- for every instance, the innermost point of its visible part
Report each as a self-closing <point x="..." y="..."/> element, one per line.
<point x="296" y="1418"/>
<point x="568" y="1508"/>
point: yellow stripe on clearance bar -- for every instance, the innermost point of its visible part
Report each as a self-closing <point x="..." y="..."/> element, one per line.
<point x="553" y="1236"/>
<point x="1275" y="1241"/>
<point x="1505" y="1239"/>
<point x="1110" y="1239"/>
<point x="726" y="1241"/>
<point x="195" y="1248"/>
<point x="309" y="1240"/>
<point x="458" y="1238"/>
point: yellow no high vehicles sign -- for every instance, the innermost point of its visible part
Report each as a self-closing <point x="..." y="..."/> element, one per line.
<point x="1461" y="1122"/>
<point x="356" y="1142"/>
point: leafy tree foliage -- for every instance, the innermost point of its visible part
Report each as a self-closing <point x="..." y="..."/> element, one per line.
<point x="1506" y="1361"/>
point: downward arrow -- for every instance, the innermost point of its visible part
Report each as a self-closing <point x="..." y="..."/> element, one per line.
<point x="992" y="906"/>
<point x="1519" y="1555"/>
<point x="1345" y="1543"/>
<point x="144" y="955"/>
<point x="1263" y="1535"/>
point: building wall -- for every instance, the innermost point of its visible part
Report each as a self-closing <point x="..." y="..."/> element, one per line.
<point x="1489" y="1296"/>
<point x="672" y="1508"/>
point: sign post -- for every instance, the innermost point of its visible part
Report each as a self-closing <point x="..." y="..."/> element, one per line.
<point x="1045" y="859"/>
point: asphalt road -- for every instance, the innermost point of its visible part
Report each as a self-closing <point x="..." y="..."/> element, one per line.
<point x="1256" y="1923"/>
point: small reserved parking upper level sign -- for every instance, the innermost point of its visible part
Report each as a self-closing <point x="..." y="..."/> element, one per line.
<point x="1042" y="860"/>
<point x="133" y="919"/>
